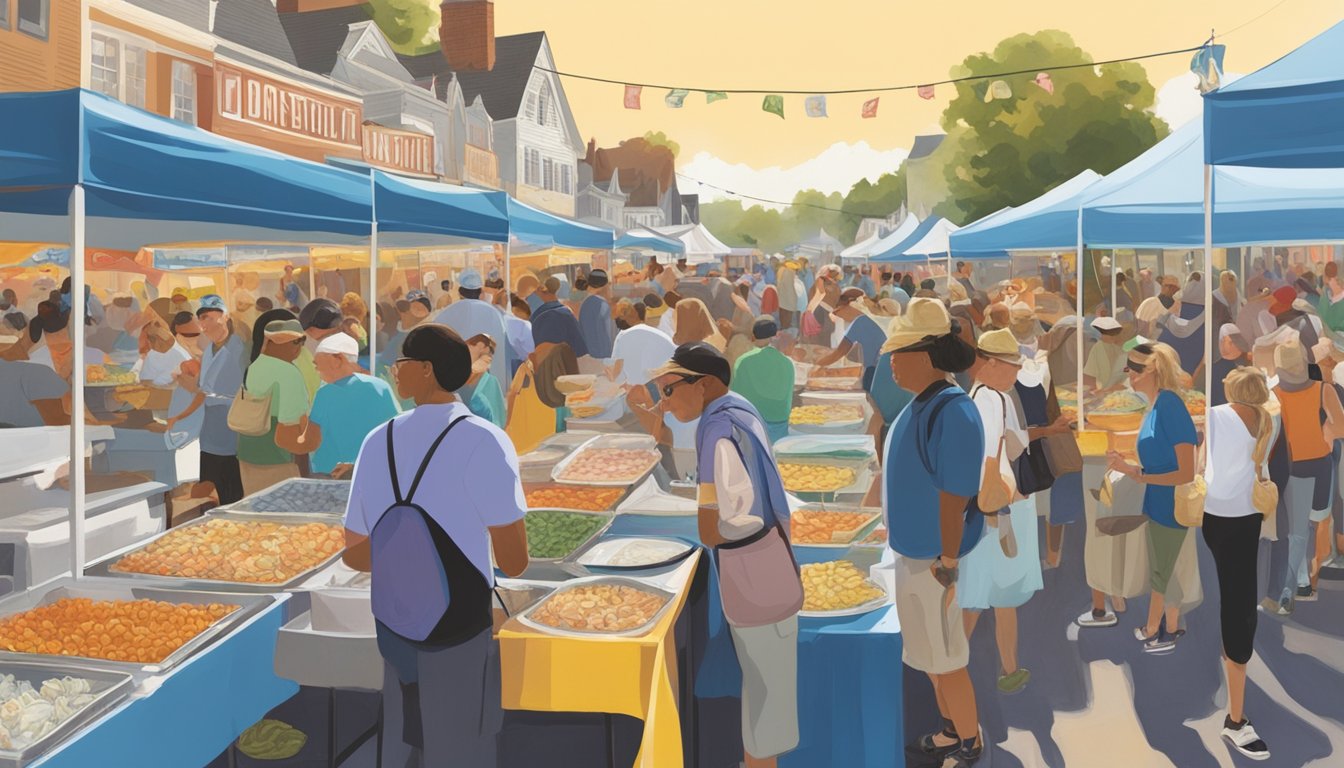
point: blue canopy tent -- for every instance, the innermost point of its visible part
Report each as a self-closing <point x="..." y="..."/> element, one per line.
<point x="894" y="238"/>
<point x="1048" y="223"/>
<point x="649" y="241"/>
<point x="78" y="162"/>
<point x="537" y="226"/>
<point x="1289" y="114"/>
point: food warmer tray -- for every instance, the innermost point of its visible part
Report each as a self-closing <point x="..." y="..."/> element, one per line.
<point x="855" y="535"/>
<point x="863" y="474"/>
<point x="607" y="518"/>
<point x="599" y="555"/>
<point x="103" y="567"/>
<point x="625" y="442"/>
<point x="118" y="589"/>
<point x="857" y="610"/>
<point x="273" y="500"/>
<point x="112" y="688"/>
<point x="854" y="399"/>
<point x="525" y="617"/>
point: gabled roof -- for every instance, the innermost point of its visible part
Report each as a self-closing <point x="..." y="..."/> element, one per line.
<point x="193" y="13"/>
<point x="502" y="88"/>
<point x="253" y="24"/>
<point x="316" y="37"/>
<point x="925" y="145"/>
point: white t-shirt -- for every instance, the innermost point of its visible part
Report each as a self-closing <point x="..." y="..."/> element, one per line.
<point x="1230" y="471"/>
<point x="159" y="367"/>
<point x="641" y="349"/>
<point x="994" y="415"/>
<point x="732" y="488"/>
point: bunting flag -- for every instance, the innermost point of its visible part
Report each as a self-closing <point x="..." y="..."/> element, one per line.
<point x="774" y="103"/>
<point x="1043" y="80"/>
<point x="676" y="97"/>
<point x="925" y="91"/>
<point x="713" y="96"/>
<point x="632" y="93"/>
<point x="815" y="106"/>
<point x="1207" y="65"/>
<point x="870" y="108"/>
<point x="998" y="90"/>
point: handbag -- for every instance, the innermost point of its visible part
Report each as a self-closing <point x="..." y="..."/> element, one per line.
<point x="810" y="325"/>
<point x="1264" y="493"/>
<point x="1114" y="525"/>
<point x="1190" y="500"/>
<point x="250" y="415"/>
<point x="758" y="580"/>
<point x="1032" y="469"/>
<point x="995" y="492"/>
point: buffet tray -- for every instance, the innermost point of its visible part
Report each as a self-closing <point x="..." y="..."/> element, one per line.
<point x="525" y="617"/>
<point x="863" y="474"/>
<point x="535" y="466"/>
<point x="607" y="518"/>
<point x="853" y="399"/>
<point x="626" y="442"/>
<point x="263" y="501"/>
<point x="850" y="537"/>
<point x="857" y="610"/>
<point x="115" y="688"/>
<point x="599" y="555"/>
<point x="548" y="485"/>
<point x="103" y="567"/>
<point x="117" y="589"/>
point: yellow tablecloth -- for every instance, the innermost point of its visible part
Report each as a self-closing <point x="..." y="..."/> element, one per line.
<point x="635" y="676"/>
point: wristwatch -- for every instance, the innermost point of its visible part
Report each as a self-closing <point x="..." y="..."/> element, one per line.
<point x="947" y="576"/>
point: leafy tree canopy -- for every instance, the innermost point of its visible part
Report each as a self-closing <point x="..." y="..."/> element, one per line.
<point x="660" y="139"/>
<point x="411" y="26"/>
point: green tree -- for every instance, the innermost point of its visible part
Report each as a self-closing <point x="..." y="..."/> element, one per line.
<point x="660" y="139"/>
<point x="1011" y="150"/>
<point x="867" y="199"/>
<point x="411" y="26"/>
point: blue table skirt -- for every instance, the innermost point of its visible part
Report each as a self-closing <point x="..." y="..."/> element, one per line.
<point x="198" y="710"/>
<point x="849" y="670"/>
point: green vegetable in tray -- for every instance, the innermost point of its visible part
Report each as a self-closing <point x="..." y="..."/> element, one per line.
<point x="272" y="740"/>
<point x="553" y="533"/>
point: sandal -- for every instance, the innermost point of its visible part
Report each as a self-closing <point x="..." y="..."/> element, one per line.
<point x="928" y="746"/>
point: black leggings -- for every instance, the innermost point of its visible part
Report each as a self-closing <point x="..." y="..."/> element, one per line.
<point x="1235" y="543"/>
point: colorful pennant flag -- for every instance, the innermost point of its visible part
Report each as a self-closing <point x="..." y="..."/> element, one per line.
<point x="713" y="96"/>
<point x="632" y="93"/>
<point x="870" y="107"/>
<point x="815" y="106"/>
<point x="774" y="103"/>
<point x="925" y="91"/>
<point x="676" y="97"/>
<point x="1207" y="65"/>
<point x="1043" y="80"/>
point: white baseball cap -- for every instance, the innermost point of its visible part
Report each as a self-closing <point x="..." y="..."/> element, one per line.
<point x="339" y="344"/>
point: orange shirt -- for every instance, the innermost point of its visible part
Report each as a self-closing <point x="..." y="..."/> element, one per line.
<point x="1302" y="422"/>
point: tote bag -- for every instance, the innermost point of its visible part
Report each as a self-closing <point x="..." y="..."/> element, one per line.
<point x="250" y="415"/>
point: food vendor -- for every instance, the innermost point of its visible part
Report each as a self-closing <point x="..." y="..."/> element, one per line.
<point x="49" y="333"/>
<point x="744" y="516"/>
<point x="34" y="394"/>
<point x="1105" y="367"/>
<point x="764" y="376"/>
<point x="348" y="406"/>
<point x="268" y="458"/>
<point x="862" y="330"/>
<point x="441" y="679"/>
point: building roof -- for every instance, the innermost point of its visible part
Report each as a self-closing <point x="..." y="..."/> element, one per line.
<point x="193" y="13"/>
<point x="316" y="37"/>
<point x="501" y="89"/>
<point x="925" y="145"/>
<point x="253" y="24"/>
<point x="646" y="172"/>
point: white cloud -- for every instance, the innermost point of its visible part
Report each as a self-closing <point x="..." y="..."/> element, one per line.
<point x="836" y="169"/>
<point x="1178" y="99"/>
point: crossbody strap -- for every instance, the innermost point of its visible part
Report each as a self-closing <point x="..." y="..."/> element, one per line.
<point x="424" y="463"/>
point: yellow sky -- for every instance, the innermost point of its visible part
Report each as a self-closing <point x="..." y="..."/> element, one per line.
<point x="851" y="44"/>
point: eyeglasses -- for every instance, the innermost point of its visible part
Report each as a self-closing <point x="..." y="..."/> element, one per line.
<point x="186" y="335"/>
<point x="667" y="389"/>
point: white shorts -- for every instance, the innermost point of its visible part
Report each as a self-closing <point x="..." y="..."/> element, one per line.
<point x="769" y="658"/>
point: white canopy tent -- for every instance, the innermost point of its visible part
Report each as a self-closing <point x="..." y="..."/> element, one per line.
<point x="702" y="247"/>
<point x="861" y="250"/>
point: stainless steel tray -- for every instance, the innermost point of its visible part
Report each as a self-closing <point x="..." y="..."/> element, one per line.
<point x="526" y="617"/>
<point x="118" y="589"/>
<point x="270" y="500"/>
<point x="599" y="555"/>
<point x="627" y="442"/>
<point x="103" y="567"/>
<point x="607" y="517"/>
<point x="109" y="689"/>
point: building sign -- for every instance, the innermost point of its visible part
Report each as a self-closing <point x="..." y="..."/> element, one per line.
<point x="398" y="150"/>
<point x="482" y="167"/>
<point x="262" y="101"/>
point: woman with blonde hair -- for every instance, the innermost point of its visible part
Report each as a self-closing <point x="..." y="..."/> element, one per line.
<point x="1166" y="449"/>
<point x="694" y="323"/>
<point x="1239" y="439"/>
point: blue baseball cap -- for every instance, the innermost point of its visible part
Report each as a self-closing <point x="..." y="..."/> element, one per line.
<point x="471" y="280"/>
<point x="211" y="302"/>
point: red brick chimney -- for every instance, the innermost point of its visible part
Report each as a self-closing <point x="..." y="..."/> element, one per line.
<point x="467" y="34"/>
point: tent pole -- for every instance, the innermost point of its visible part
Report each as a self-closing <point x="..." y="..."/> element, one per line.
<point x="1208" y="279"/>
<point x="77" y="380"/>
<point x="1078" y="331"/>
<point x="373" y="276"/>
<point x="312" y="275"/>
<point x="1115" y="305"/>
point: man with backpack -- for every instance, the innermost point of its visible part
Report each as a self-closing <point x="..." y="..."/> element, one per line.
<point x="433" y="490"/>
<point x="931" y="472"/>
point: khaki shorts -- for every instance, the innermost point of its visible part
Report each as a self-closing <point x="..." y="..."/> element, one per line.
<point x="933" y="636"/>
<point x="769" y="659"/>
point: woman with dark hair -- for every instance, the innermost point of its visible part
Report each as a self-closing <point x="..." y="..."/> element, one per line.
<point x="434" y="491"/>
<point x="932" y="526"/>
<point x="259" y="329"/>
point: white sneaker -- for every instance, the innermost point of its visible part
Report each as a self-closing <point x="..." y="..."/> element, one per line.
<point x="1245" y="740"/>
<point x="1092" y="619"/>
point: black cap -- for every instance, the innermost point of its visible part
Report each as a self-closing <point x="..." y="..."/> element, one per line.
<point x="764" y="328"/>
<point x="597" y="278"/>
<point x="701" y="359"/>
<point x="322" y="314"/>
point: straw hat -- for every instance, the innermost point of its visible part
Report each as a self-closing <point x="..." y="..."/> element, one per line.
<point x="924" y="319"/>
<point x="1000" y="345"/>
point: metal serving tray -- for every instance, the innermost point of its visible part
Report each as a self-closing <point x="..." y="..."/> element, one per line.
<point x="525" y="618"/>
<point x="607" y="518"/>
<point x="863" y="474"/>
<point x="269" y="500"/>
<point x="853" y="536"/>
<point x="600" y="554"/>
<point x="103" y="567"/>
<point x="627" y="442"/>
<point x="109" y="689"/>
<point x="117" y="589"/>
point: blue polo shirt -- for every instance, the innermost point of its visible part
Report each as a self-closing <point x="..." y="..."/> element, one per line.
<point x="910" y="492"/>
<point x="553" y="323"/>
<point x="865" y="332"/>
<point x="1165" y="426"/>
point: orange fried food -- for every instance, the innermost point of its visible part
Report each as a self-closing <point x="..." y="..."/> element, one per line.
<point x="820" y="527"/>
<point x="139" y="631"/>
<point x="599" y="608"/>
<point x="235" y="550"/>
<point x="573" y="497"/>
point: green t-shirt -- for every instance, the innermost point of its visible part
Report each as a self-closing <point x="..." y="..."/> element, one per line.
<point x="764" y="376"/>
<point x="308" y="369"/>
<point x="289" y="404"/>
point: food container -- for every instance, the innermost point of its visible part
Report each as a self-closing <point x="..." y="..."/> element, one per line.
<point x="319" y="659"/>
<point x="650" y="499"/>
<point x="842" y="371"/>
<point x="615" y="553"/>
<point x="108" y="689"/>
<point x="601" y="521"/>
<point x="298" y="495"/>
<point x="525" y="618"/>
<point x="103" y="567"/>
<point x="568" y="385"/>
<point x="535" y="466"/>
<point x="643" y="443"/>
<point x="835" y="383"/>
<point x="879" y="601"/>
<point x="842" y="426"/>
<point x="1092" y="442"/>
<point x="1116" y="422"/>
<point x="839" y="538"/>
<point x="342" y="610"/>
<point x="120" y="589"/>
<point x="862" y="468"/>
<point x="588" y="498"/>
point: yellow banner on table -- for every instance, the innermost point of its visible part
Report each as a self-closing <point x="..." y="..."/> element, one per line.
<point x="633" y="676"/>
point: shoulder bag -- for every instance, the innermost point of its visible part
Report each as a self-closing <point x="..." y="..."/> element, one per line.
<point x="1190" y="496"/>
<point x="996" y="492"/>
<point x="249" y="414"/>
<point x="1264" y="493"/>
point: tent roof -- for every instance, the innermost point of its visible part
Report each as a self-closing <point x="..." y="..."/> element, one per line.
<point x="898" y="235"/>
<point x="651" y="241"/>
<point x="860" y="250"/>
<point x="702" y="247"/>
<point x="1050" y="222"/>
<point x="1289" y="114"/>
<point x="533" y="225"/>
<point x="218" y="188"/>
<point x="417" y="208"/>
<point x="935" y="239"/>
<point x="899" y="251"/>
<point x="1157" y="200"/>
<point x="822" y="241"/>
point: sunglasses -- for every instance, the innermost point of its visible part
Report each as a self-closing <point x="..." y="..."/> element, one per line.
<point x="186" y="335"/>
<point x="667" y="389"/>
<point x="1132" y="367"/>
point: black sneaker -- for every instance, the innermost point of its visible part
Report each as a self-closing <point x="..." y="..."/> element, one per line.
<point x="1244" y="739"/>
<point x="1306" y="594"/>
<point x="967" y="753"/>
